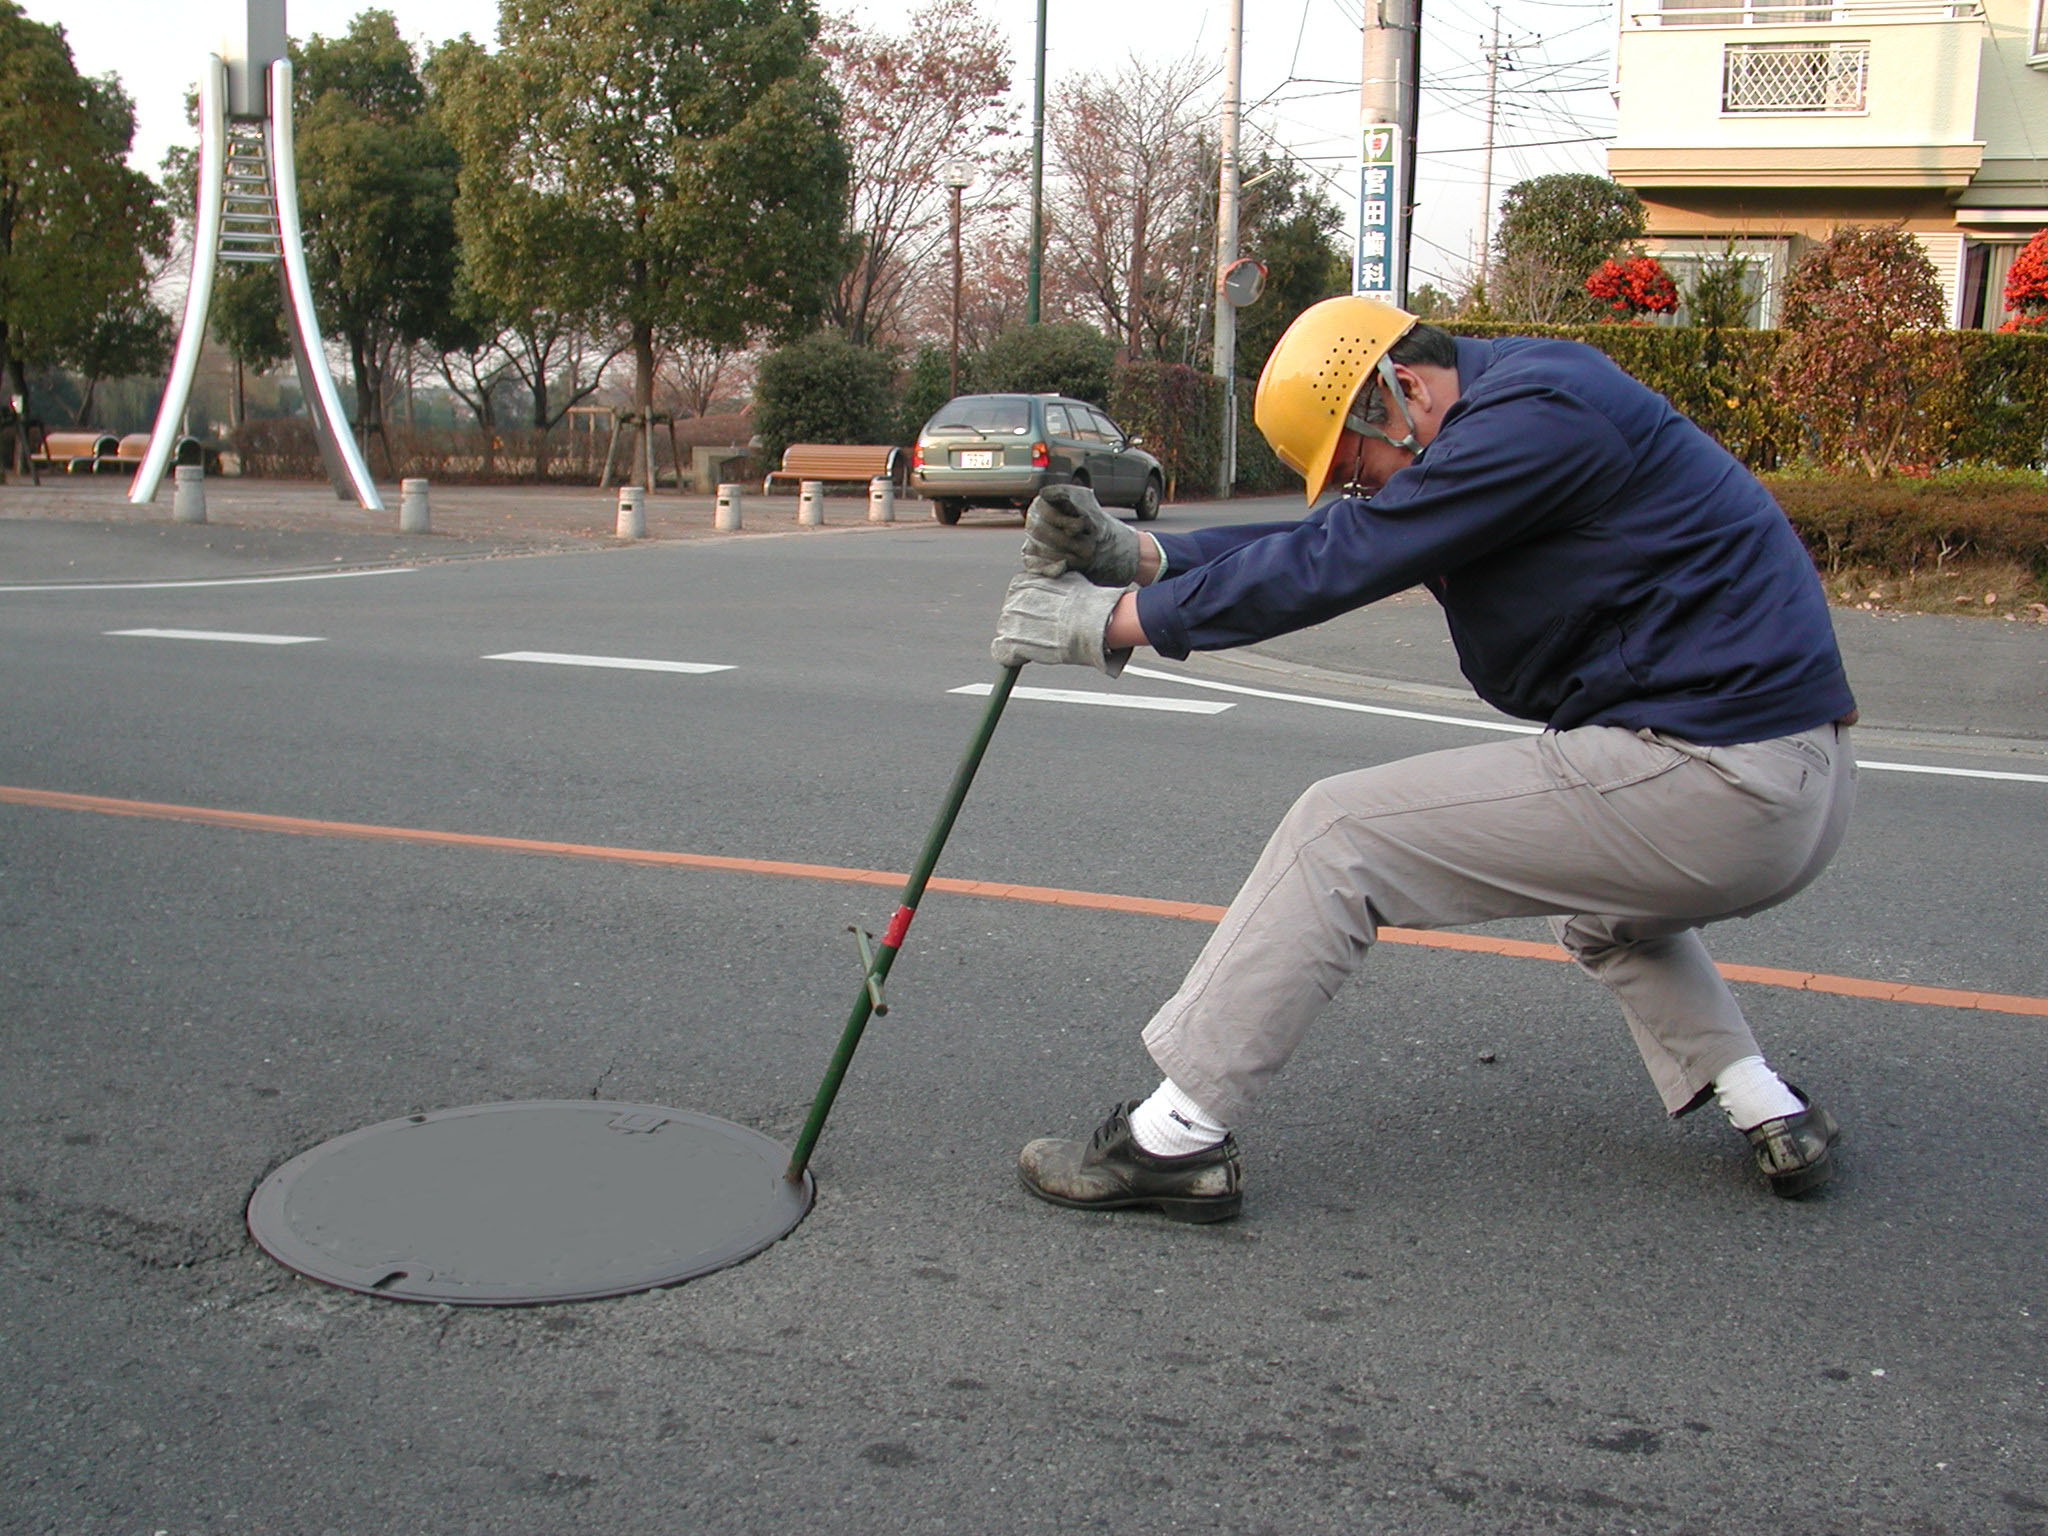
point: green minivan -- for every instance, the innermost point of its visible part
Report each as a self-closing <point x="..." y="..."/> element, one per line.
<point x="1002" y="450"/>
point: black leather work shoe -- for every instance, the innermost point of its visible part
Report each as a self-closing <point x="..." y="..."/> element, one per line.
<point x="1796" y="1152"/>
<point x="1110" y="1171"/>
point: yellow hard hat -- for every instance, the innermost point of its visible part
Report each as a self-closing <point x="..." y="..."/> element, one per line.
<point x="1315" y="373"/>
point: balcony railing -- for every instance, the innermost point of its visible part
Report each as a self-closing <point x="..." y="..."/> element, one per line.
<point x="1795" y="77"/>
<point x="1748" y="13"/>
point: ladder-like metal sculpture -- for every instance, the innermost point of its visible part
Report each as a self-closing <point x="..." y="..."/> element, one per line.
<point x="248" y="212"/>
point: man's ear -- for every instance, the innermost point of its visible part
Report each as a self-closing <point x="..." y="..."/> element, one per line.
<point x="1414" y="387"/>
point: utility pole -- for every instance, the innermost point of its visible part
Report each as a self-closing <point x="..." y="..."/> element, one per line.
<point x="1486" y="178"/>
<point x="1037" y="178"/>
<point x="1224" y="359"/>
<point x="1389" y="91"/>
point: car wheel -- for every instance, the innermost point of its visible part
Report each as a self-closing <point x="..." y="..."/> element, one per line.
<point x="1148" y="500"/>
<point x="947" y="510"/>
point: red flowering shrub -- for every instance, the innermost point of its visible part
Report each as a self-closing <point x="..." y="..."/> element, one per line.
<point x="1633" y="288"/>
<point x="2026" y="287"/>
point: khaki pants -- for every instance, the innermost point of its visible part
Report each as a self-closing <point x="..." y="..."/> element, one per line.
<point x="1628" y="840"/>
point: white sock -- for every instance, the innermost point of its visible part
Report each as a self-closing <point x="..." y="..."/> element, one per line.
<point x="1751" y="1093"/>
<point x="1170" y="1124"/>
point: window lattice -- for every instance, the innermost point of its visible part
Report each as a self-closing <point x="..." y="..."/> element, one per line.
<point x="1795" y="77"/>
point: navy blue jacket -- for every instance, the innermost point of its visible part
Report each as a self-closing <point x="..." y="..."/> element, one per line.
<point x="1600" y="560"/>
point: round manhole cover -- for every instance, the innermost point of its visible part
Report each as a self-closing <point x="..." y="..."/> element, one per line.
<point x="506" y="1204"/>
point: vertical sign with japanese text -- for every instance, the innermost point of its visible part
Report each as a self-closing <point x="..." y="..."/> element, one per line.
<point x="1377" y="273"/>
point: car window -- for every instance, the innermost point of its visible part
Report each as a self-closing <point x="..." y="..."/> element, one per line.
<point x="1106" y="427"/>
<point x="1084" y="422"/>
<point x="982" y="413"/>
<point x="1056" y="423"/>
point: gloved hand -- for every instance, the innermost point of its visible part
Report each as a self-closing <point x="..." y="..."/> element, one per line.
<point x="1067" y="530"/>
<point x="1057" y="619"/>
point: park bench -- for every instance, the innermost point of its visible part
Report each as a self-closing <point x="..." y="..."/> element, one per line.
<point x="834" y="461"/>
<point x="75" y="451"/>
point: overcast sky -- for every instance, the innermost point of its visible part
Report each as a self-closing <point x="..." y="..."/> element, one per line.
<point x="1301" y="72"/>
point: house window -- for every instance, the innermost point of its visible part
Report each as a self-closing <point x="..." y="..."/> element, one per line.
<point x="1795" y="77"/>
<point x="2038" y="53"/>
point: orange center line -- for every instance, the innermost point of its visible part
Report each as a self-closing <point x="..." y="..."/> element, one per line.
<point x="1103" y="901"/>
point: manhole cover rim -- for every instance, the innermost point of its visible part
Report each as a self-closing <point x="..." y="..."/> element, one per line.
<point x="269" y="1218"/>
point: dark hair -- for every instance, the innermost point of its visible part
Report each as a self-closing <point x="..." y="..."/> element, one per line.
<point x="1424" y="344"/>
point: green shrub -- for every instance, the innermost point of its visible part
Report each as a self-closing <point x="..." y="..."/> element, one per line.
<point x="1066" y="359"/>
<point x="1178" y="411"/>
<point x="823" y="389"/>
<point x="927" y="385"/>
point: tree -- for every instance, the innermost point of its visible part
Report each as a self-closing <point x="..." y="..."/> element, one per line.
<point x="77" y="226"/>
<point x="822" y="389"/>
<point x="671" y="166"/>
<point x="1718" y="297"/>
<point x="914" y="104"/>
<point x="1554" y="232"/>
<point x="377" y="196"/>
<point x="132" y="339"/>
<point x="1634" y="287"/>
<point x="1131" y="219"/>
<point x="2026" y="287"/>
<point x="1866" y="353"/>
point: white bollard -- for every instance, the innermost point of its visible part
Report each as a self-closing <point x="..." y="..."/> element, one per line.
<point x="632" y="513"/>
<point x="731" y="505"/>
<point x="412" y="506"/>
<point x="881" y="500"/>
<point x="810" y="504"/>
<point x="188" y="493"/>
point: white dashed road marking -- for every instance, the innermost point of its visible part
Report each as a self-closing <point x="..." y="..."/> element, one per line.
<point x="625" y="663"/>
<point x="218" y="634"/>
<point x="1110" y="700"/>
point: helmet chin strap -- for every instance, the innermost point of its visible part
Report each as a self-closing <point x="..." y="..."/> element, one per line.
<point x="1390" y="386"/>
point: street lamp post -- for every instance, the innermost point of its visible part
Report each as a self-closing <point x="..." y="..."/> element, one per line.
<point x="958" y="176"/>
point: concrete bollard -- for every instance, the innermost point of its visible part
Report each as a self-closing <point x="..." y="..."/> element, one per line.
<point x="881" y="500"/>
<point x="188" y="493"/>
<point x="412" y="506"/>
<point x="810" y="504"/>
<point x="731" y="506"/>
<point x="632" y="513"/>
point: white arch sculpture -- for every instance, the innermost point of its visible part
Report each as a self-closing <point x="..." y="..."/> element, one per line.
<point x="248" y="212"/>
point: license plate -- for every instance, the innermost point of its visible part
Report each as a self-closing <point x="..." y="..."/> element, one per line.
<point x="978" y="458"/>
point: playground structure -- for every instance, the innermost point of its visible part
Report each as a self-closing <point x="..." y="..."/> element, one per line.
<point x="248" y="212"/>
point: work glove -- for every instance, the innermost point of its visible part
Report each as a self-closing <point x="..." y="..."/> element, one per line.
<point x="1057" y="619"/>
<point x="1067" y="530"/>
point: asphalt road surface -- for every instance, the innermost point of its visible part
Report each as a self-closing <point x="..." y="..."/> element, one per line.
<point x="1481" y="1283"/>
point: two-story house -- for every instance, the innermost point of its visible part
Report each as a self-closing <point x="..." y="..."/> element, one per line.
<point x="1751" y="128"/>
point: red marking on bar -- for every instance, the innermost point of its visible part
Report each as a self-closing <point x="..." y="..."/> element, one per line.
<point x="899" y="925"/>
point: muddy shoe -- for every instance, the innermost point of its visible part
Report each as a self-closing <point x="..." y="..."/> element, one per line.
<point x="1796" y="1152"/>
<point x="1110" y="1171"/>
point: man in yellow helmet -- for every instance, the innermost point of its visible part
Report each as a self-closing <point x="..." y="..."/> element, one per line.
<point x="1606" y="569"/>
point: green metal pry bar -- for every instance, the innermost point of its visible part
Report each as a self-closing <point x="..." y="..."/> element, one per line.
<point x="876" y="960"/>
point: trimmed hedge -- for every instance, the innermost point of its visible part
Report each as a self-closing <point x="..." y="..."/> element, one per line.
<point x="1915" y="525"/>
<point x="1997" y="415"/>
